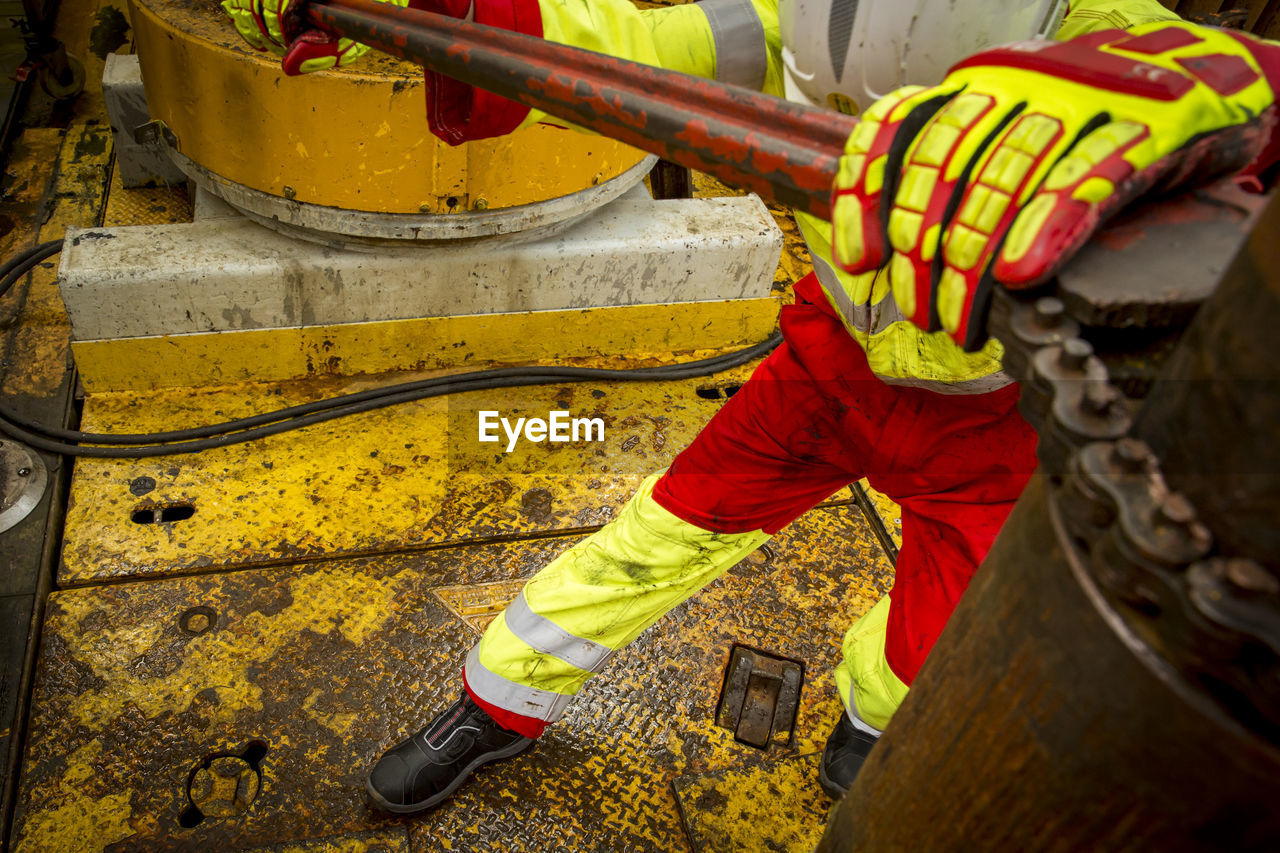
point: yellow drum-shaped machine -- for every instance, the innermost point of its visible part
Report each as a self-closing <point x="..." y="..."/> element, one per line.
<point x="347" y="152"/>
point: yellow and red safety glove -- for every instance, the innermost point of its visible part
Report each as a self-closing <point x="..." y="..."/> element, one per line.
<point x="456" y="112"/>
<point x="275" y="26"/>
<point x="1004" y="170"/>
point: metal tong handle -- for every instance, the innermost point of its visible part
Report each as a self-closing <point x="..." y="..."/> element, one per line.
<point x="783" y="151"/>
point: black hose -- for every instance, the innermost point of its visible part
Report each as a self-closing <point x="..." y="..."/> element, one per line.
<point x="18" y="266"/>
<point x="419" y="389"/>
<point x="196" y="439"/>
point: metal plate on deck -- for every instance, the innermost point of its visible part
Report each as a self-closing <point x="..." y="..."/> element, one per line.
<point x="761" y="692"/>
<point x="325" y="665"/>
<point x="725" y="810"/>
<point x="391" y="840"/>
<point x="411" y="476"/>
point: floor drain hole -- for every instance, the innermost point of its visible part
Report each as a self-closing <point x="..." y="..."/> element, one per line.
<point x="163" y="514"/>
<point x="224" y="785"/>
<point x="197" y="621"/>
<point x="181" y="512"/>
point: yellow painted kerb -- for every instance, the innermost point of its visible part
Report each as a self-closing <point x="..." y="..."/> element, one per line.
<point x="428" y="343"/>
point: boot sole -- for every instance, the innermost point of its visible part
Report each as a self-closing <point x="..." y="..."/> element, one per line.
<point x="435" y="800"/>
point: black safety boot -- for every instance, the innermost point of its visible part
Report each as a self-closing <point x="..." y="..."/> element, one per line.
<point x="846" y="749"/>
<point x="424" y="770"/>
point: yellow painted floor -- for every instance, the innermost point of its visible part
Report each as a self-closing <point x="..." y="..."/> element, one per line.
<point x="324" y="665"/>
<point x="224" y="680"/>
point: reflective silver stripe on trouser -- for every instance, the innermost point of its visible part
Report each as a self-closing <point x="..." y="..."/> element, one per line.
<point x="874" y="319"/>
<point x="517" y="698"/>
<point x="742" y="57"/>
<point x="540" y="633"/>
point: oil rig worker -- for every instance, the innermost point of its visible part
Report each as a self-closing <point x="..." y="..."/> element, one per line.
<point x="996" y="173"/>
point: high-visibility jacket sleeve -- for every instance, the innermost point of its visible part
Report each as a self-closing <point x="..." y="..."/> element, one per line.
<point x="1086" y="16"/>
<point x="733" y="41"/>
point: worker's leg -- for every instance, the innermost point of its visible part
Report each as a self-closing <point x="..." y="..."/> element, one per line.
<point x="758" y="465"/>
<point x="956" y="466"/>
<point x="589" y="602"/>
<point x="764" y="459"/>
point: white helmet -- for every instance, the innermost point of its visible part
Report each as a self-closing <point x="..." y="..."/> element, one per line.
<point x="845" y="54"/>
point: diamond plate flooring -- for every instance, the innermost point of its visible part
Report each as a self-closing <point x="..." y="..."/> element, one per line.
<point x="308" y="672"/>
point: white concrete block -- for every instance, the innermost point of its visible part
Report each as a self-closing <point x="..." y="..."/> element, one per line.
<point x="222" y="274"/>
<point x="126" y="104"/>
<point x="206" y="205"/>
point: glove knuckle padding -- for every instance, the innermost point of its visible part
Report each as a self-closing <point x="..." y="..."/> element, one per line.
<point x="859" y="246"/>
<point x="1179" y="98"/>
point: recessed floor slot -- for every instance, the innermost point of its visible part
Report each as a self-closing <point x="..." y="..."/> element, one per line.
<point x="163" y="514"/>
<point x="717" y="392"/>
<point x="224" y="785"/>
<point x="760" y="696"/>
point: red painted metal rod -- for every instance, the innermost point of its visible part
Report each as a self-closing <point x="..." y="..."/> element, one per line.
<point x="783" y="151"/>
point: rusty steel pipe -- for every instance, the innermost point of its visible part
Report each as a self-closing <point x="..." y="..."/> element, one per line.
<point x="782" y="151"/>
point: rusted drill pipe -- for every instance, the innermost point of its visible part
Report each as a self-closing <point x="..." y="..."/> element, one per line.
<point x="782" y="151"/>
<point x="1051" y="714"/>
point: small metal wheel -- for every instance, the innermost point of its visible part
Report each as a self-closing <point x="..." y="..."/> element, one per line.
<point x="22" y="482"/>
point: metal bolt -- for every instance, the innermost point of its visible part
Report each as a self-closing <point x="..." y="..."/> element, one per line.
<point x="1250" y="577"/>
<point x="23" y="472"/>
<point x="481" y="204"/>
<point x="425" y="207"/>
<point x="1099" y="397"/>
<point x="1075" y="354"/>
<point x="290" y="193"/>
<point x="1176" y="509"/>
<point x="1049" y="311"/>
<point x="1131" y="455"/>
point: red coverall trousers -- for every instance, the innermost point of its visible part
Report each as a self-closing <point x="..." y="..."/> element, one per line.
<point x="811" y="420"/>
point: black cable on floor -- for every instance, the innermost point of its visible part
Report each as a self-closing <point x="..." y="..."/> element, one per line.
<point x="196" y="439"/>
<point x="21" y="264"/>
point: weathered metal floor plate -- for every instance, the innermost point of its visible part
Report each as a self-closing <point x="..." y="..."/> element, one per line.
<point x="743" y="808"/>
<point x="405" y="477"/>
<point x="308" y="672"/>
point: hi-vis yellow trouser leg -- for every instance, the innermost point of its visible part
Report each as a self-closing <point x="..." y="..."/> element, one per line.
<point x="601" y="594"/>
<point x="589" y="602"/>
